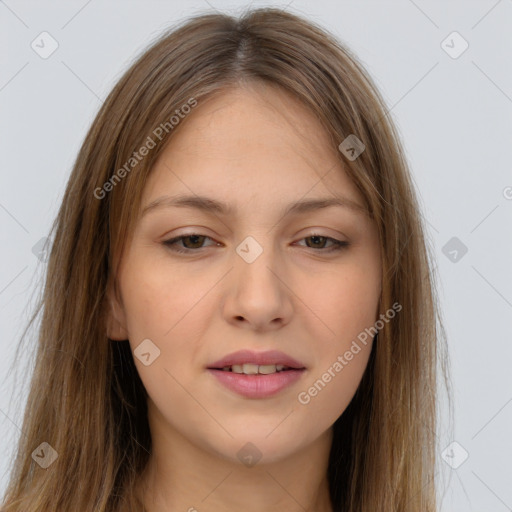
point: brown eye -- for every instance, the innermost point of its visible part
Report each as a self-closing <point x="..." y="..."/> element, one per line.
<point x="196" y="241"/>
<point x="189" y="243"/>
<point x="319" y="241"/>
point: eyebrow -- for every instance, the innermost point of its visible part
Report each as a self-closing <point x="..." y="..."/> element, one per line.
<point x="210" y="205"/>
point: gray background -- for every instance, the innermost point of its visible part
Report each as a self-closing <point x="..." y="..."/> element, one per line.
<point x="454" y="115"/>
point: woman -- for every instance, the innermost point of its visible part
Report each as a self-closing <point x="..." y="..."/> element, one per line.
<point x="239" y="310"/>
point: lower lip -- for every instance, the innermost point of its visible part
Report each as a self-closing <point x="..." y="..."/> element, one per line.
<point x="257" y="386"/>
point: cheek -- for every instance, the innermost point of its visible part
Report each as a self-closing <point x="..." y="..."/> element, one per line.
<point x="346" y="300"/>
<point x="168" y="308"/>
<point x="158" y="301"/>
<point x="172" y="309"/>
<point x="329" y="391"/>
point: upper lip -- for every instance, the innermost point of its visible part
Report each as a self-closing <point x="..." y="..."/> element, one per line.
<point x="260" y="358"/>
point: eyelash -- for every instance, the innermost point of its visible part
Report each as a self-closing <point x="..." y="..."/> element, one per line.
<point x="171" y="244"/>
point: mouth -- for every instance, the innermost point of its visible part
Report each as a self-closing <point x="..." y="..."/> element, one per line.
<point x="255" y="369"/>
<point x="257" y="374"/>
<point x="254" y="363"/>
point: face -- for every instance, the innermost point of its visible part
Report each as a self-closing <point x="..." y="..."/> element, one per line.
<point x="201" y="281"/>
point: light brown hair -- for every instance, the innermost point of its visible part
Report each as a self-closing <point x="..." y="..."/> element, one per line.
<point x="86" y="399"/>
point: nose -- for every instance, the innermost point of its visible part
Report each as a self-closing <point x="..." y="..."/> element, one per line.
<point x="257" y="296"/>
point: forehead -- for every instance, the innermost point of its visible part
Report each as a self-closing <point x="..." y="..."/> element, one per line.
<point x="256" y="115"/>
<point x="246" y="143"/>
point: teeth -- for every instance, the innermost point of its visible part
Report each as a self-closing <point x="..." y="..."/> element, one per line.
<point x="254" y="369"/>
<point x="249" y="369"/>
<point x="265" y="369"/>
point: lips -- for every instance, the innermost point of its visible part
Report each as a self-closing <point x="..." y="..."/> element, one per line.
<point x="257" y="375"/>
<point x="249" y="357"/>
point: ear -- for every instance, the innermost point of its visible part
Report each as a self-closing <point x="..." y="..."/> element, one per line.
<point x="115" y="317"/>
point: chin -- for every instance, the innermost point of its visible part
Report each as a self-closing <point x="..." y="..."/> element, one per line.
<point x="255" y="446"/>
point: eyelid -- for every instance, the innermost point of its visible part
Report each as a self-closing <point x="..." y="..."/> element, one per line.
<point x="172" y="242"/>
<point x="337" y="245"/>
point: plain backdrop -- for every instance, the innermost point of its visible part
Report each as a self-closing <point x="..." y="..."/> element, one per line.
<point x="453" y="109"/>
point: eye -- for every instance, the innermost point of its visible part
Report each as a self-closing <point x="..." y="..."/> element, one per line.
<point x="318" y="242"/>
<point x="194" y="241"/>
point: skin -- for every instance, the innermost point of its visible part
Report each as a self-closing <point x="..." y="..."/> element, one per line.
<point x="257" y="149"/>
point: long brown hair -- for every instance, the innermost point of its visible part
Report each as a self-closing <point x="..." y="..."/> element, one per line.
<point x="86" y="399"/>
